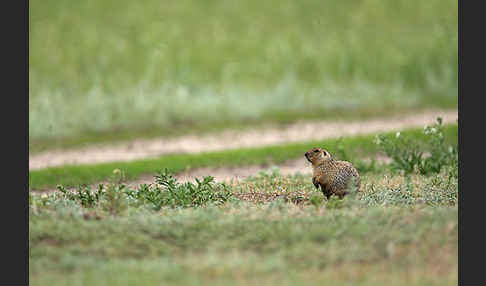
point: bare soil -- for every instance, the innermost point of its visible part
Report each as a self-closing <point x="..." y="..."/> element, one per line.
<point x="230" y="139"/>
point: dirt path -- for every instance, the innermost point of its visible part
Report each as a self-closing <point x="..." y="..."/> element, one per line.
<point x="300" y="131"/>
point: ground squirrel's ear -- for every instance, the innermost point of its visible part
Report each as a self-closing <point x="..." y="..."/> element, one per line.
<point x="325" y="154"/>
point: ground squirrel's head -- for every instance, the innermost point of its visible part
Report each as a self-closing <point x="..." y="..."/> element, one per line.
<point x="317" y="156"/>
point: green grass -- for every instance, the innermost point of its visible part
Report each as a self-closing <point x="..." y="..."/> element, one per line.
<point x="400" y="229"/>
<point x="121" y="67"/>
<point x="356" y="147"/>
<point x="249" y="244"/>
<point x="397" y="231"/>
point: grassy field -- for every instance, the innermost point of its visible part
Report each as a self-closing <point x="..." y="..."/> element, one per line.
<point x="120" y="69"/>
<point x="400" y="230"/>
<point x="102" y="71"/>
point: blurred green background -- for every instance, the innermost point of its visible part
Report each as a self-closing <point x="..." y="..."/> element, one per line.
<point x="115" y="68"/>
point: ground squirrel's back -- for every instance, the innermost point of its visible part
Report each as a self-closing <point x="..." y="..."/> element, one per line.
<point x="338" y="174"/>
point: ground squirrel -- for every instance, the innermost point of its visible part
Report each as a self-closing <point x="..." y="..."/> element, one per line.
<point x="335" y="177"/>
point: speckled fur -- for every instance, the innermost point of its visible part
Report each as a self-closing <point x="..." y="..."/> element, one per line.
<point x="333" y="176"/>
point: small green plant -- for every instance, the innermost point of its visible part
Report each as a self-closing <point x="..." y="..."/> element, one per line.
<point x="335" y="203"/>
<point x="187" y="194"/>
<point x="115" y="198"/>
<point x="316" y="200"/>
<point x="118" y="176"/>
<point x="83" y="195"/>
<point x="440" y="154"/>
<point x="404" y="152"/>
<point x="410" y="155"/>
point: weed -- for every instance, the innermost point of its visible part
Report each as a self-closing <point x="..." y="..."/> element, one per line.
<point x="115" y="199"/>
<point x="408" y="154"/>
<point x="187" y="194"/>
<point x="82" y="195"/>
<point x="440" y="153"/>
<point x="404" y="153"/>
<point x="316" y="200"/>
<point x="166" y="191"/>
<point x="334" y="203"/>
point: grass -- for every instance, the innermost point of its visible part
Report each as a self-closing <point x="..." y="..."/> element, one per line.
<point x="190" y="64"/>
<point x="248" y="244"/>
<point x="400" y="230"/>
<point x="356" y="147"/>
